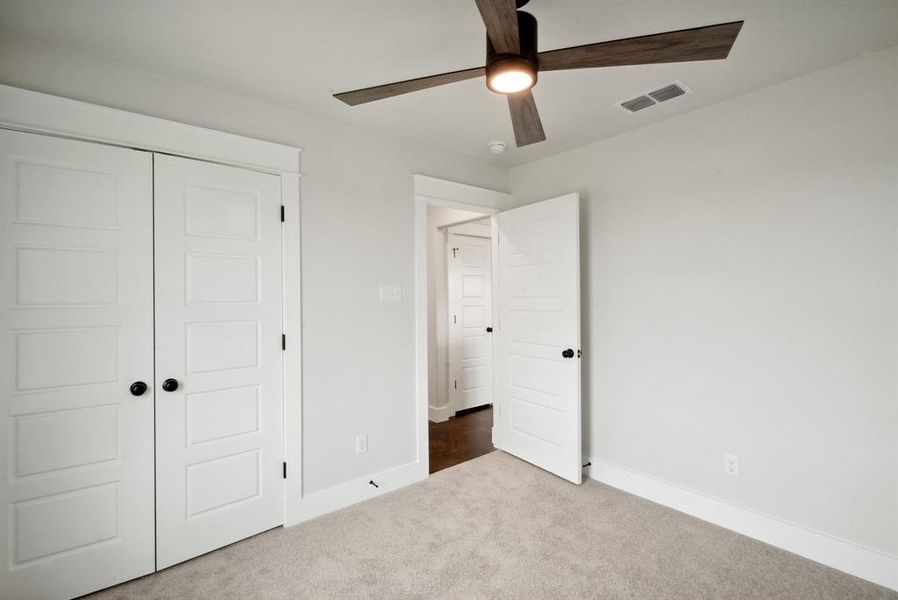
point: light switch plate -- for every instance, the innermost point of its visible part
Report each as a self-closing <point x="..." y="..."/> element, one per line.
<point x="391" y="293"/>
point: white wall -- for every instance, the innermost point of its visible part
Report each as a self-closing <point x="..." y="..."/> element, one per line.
<point x="437" y="320"/>
<point x="357" y="232"/>
<point x="739" y="295"/>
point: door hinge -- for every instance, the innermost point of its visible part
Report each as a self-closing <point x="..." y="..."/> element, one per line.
<point x="283" y="218"/>
<point x="455" y="384"/>
<point x="285" y="470"/>
<point x="283" y="341"/>
<point x="454" y="250"/>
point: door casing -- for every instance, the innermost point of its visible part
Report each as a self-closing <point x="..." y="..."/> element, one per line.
<point x="430" y="191"/>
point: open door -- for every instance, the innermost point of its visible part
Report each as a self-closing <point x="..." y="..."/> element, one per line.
<point x="536" y="358"/>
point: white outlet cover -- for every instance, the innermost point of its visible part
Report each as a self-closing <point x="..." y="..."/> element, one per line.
<point x="391" y="293"/>
<point x="731" y="465"/>
<point x="361" y="444"/>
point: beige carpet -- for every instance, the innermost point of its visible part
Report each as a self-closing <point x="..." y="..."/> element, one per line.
<point x="496" y="527"/>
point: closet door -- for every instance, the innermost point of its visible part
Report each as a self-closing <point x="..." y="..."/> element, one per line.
<point x="219" y="414"/>
<point x="76" y="331"/>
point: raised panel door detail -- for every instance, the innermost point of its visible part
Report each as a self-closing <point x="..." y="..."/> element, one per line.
<point x="76" y="329"/>
<point x="66" y="277"/>
<point x="536" y="373"/>
<point x="222" y="279"/>
<point x="473" y="286"/>
<point x="78" y="437"/>
<point x="535" y="281"/>
<point x="212" y="212"/>
<point x="476" y="347"/>
<point x="223" y="481"/>
<point x="221" y="414"/>
<point x="473" y="255"/>
<point x="536" y="422"/>
<point x="222" y="346"/>
<point x="57" y="194"/>
<point x="535" y="235"/>
<point x="536" y="327"/>
<point x="65" y="523"/>
<point x="65" y="358"/>
<point x="474" y="316"/>
<point x="475" y="377"/>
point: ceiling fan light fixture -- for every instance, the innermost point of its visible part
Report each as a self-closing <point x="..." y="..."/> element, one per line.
<point x="511" y="75"/>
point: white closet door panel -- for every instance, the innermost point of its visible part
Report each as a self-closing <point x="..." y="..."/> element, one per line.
<point x="76" y="329"/>
<point x="470" y="313"/>
<point x="218" y="333"/>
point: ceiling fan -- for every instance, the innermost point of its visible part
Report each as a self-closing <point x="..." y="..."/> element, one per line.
<point x="513" y="61"/>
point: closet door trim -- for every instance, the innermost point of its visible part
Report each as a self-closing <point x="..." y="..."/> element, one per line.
<point x="35" y="112"/>
<point x="42" y="113"/>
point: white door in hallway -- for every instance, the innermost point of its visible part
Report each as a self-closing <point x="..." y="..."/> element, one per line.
<point x="470" y="313"/>
<point x="537" y="335"/>
<point x="76" y="331"/>
<point x="219" y="403"/>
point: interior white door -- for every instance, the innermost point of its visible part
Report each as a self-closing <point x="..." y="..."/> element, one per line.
<point x="76" y="330"/>
<point x="470" y="313"/>
<point x="537" y="336"/>
<point x="219" y="435"/>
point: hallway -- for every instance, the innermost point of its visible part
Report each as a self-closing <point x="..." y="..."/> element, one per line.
<point x="461" y="438"/>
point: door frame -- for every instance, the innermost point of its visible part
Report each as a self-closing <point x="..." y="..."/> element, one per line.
<point x="431" y="191"/>
<point x="35" y="112"/>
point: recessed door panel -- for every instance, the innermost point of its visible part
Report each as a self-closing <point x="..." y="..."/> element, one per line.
<point x="218" y="335"/>
<point x="76" y="330"/>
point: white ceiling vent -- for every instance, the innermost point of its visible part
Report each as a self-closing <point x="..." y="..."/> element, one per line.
<point x="637" y="103"/>
<point x="667" y="92"/>
<point x="649" y="99"/>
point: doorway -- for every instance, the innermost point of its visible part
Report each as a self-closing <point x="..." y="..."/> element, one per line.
<point x="535" y="320"/>
<point x="459" y="310"/>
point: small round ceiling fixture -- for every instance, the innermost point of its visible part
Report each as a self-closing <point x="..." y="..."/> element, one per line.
<point x="497" y="147"/>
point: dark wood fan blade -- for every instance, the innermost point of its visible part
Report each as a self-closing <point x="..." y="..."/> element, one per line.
<point x="712" y="42"/>
<point x="528" y="129"/>
<point x="379" y="92"/>
<point x="501" y="20"/>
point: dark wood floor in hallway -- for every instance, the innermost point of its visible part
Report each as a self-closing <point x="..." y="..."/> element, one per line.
<point x="461" y="438"/>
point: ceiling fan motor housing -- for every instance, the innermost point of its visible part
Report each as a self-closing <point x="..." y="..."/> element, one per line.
<point x="525" y="60"/>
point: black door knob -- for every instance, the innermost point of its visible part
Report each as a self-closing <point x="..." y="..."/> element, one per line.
<point x="138" y="388"/>
<point x="170" y="385"/>
<point x="489" y="329"/>
<point x="569" y="353"/>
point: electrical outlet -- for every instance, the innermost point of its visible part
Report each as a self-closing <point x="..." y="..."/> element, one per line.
<point x="731" y="465"/>
<point x="391" y="293"/>
<point x="361" y="443"/>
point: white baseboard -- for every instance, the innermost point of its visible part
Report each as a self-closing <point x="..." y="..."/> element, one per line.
<point x="866" y="563"/>
<point x="438" y="414"/>
<point x="352" y="492"/>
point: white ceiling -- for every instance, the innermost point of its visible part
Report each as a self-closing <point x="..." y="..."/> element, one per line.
<point x="297" y="53"/>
